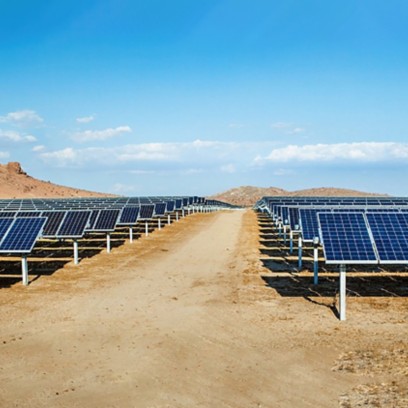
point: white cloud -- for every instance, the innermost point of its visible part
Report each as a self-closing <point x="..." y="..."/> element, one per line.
<point x="351" y="152"/>
<point x="228" y="168"/>
<point x="85" y="119"/>
<point x="16" y="137"/>
<point x="296" y="130"/>
<point x="22" y="117"/>
<point x="287" y="128"/>
<point x="38" y="148"/>
<point x="161" y="156"/>
<point x="120" y="188"/>
<point x="4" y="155"/>
<point x="94" y="135"/>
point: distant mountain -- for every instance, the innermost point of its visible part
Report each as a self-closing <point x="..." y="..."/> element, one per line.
<point x="16" y="183"/>
<point x="249" y="195"/>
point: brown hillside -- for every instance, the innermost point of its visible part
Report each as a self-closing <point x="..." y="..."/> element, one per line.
<point x="16" y="183"/>
<point x="248" y="195"/>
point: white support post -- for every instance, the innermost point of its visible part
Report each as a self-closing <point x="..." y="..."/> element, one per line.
<point x="291" y="242"/>
<point x="147" y="228"/>
<point x="300" y="252"/>
<point x="189" y="210"/>
<point x="183" y="213"/>
<point x="159" y="223"/>
<point x="168" y="219"/>
<point x="280" y="229"/>
<point x="284" y="234"/>
<point x="24" y="269"/>
<point x="342" y="292"/>
<point x="177" y="216"/>
<point x="76" y="256"/>
<point x="316" y="265"/>
<point x="130" y="234"/>
<point x="108" y="243"/>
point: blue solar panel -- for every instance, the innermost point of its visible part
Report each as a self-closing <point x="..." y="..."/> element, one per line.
<point x="106" y="220"/>
<point x="54" y="220"/>
<point x="74" y="224"/>
<point x="179" y="204"/>
<point x="293" y="217"/>
<point x="93" y="218"/>
<point x="159" y="209"/>
<point x="7" y="214"/>
<point x="129" y="215"/>
<point x="5" y="224"/>
<point x="22" y="235"/>
<point x="26" y="214"/>
<point x="170" y="206"/>
<point x="345" y="238"/>
<point x="390" y="233"/>
<point x="146" y="211"/>
<point x="309" y="223"/>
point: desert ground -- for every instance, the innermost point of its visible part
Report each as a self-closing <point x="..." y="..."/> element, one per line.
<point x="197" y="315"/>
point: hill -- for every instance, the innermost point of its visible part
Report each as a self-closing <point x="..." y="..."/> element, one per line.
<point x="16" y="183"/>
<point x="249" y="195"/>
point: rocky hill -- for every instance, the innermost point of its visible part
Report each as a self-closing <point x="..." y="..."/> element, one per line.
<point x="16" y="183"/>
<point x="249" y="195"/>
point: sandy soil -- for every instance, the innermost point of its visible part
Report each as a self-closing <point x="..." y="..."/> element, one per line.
<point x="193" y="316"/>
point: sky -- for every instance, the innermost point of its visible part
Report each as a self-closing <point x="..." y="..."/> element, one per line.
<point x="185" y="97"/>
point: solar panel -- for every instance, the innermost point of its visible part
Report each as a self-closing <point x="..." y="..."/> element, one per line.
<point x="25" y="214"/>
<point x="106" y="220"/>
<point x="179" y="204"/>
<point x="7" y="214"/>
<point x="4" y="226"/>
<point x="160" y="209"/>
<point x="93" y="218"/>
<point x="146" y="211"/>
<point x="54" y="220"/>
<point x="129" y="215"/>
<point x="345" y="238"/>
<point x="22" y="235"/>
<point x="170" y="206"/>
<point x="74" y="224"/>
<point x="309" y="223"/>
<point x="293" y="217"/>
<point x="390" y="233"/>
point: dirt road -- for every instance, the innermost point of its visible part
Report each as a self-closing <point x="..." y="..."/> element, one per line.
<point x="182" y="318"/>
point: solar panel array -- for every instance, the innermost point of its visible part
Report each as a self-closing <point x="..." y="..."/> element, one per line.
<point x="352" y="230"/>
<point x="107" y="220"/>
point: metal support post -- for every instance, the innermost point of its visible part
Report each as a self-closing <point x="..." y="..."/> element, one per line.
<point x="177" y="216"/>
<point x="300" y="252"/>
<point x="316" y="261"/>
<point x="147" y="228"/>
<point x="108" y="243"/>
<point x="342" y="292"/>
<point x="168" y="219"/>
<point x="291" y="242"/>
<point x="159" y="224"/>
<point x="24" y="269"/>
<point x="284" y="234"/>
<point x="76" y="255"/>
<point x="130" y="234"/>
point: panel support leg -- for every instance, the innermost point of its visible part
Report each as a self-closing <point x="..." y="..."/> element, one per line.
<point x="108" y="243"/>
<point x="76" y="256"/>
<point x="147" y="229"/>
<point x="24" y="269"/>
<point x="177" y="216"/>
<point x="159" y="223"/>
<point x="316" y="265"/>
<point x="130" y="234"/>
<point x="342" y="292"/>
<point x="291" y="242"/>
<point x="300" y="263"/>
<point x="284" y="234"/>
<point x="168" y="219"/>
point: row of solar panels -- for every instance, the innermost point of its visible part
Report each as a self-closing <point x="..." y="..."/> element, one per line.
<point x="94" y="202"/>
<point x="341" y="244"/>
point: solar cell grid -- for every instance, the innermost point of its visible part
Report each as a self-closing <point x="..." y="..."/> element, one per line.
<point x="146" y="211"/>
<point x="160" y="209"/>
<point x="22" y="235"/>
<point x="390" y="233"/>
<point x="293" y="217"/>
<point x="170" y="206"/>
<point x="129" y="215"/>
<point x="7" y="214"/>
<point x="345" y="238"/>
<point x="74" y="224"/>
<point x="54" y="220"/>
<point x="5" y="224"/>
<point x="107" y="220"/>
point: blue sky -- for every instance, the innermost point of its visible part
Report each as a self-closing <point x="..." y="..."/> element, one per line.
<point x="195" y="97"/>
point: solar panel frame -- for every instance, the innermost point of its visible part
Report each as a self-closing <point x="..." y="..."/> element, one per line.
<point x="146" y="212"/>
<point x="106" y="221"/>
<point x="22" y="235"/>
<point x="129" y="215"/>
<point x="346" y="238"/>
<point x="54" y="221"/>
<point x="159" y="209"/>
<point x="390" y="234"/>
<point x="74" y="224"/>
<point x="5" y="224"/>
